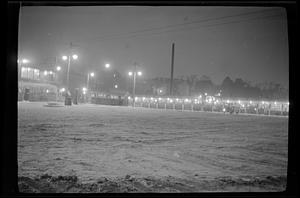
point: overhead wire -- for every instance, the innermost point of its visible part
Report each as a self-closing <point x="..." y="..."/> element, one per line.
<point x="168" y="26"/>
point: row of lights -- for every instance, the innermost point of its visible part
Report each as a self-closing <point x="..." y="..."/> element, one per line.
<point x="186" y="100"/>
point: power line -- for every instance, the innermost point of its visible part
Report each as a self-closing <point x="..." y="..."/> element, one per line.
<point x="176" y="25"/>
<point x="181" y="28"/>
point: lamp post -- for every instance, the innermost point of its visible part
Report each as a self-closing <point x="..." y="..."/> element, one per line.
<point x="92" y="74"/>
<point x="75" y="57"/>
<point x="134" y="73"/>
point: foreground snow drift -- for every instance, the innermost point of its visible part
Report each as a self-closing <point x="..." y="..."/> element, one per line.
<point x="93" y="141"/>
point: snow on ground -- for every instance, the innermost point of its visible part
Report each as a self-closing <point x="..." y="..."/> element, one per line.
<point x="95" y="141"/>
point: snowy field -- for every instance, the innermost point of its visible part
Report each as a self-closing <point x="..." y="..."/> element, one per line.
<point x="149" y="150"/>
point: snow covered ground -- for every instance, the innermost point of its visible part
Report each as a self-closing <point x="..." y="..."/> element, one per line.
<point x="95" y="141"/>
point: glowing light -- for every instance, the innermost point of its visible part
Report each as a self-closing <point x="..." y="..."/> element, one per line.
<point x="139" y="73"/>
<point x="58" y="68"/>
<point x="92" y="74"/>
<point x="160" y="91"/>
<point x="136" y="98"/>
<point x="50" y="72"/>
<point x="25" y="61"/>
<point x="227" y="101"/>
<point x="75" y="57"/>
<point x="130" y="73"/>
<point x="23" y="68"/>
<point x="129" y="97"/>
<point x="239" y="102"/>
<point x="159" y="98"/>
<point x="144" y="98"/>
<point x="84" y="89"/>
<point x="205" y="94"/>
<point x="64" y="57"/>
<point x="250" y="102"/>
<point x="116" y="86"/>
<point x="29" y="69"/>
<point x="171" y="100"/>
<point x="200" y="96"/>
<point x="224" y="109"/>
<point x="62" y="90"/>
<point x="107" y="65"/>
<point x="45" y="73"/>
<point x="47" y="91"/>
<point x="275" y="102"/>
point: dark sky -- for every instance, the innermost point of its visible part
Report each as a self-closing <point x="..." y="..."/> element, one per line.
<point x="248" y="42"/>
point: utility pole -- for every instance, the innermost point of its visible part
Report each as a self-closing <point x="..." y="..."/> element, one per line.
<point x="134" y="81"/>
<point x="172" y="69"/>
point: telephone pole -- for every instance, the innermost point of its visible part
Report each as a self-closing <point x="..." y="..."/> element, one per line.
<point x="172" y="69"/>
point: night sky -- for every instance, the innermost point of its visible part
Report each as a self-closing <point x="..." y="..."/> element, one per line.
<point x="250" y="43"/>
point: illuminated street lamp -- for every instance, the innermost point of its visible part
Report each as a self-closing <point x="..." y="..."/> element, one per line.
<point x="75" y="57"/>
<point x="58" y="68"/>
<point x="134" y="73"/>
<point x="25" y="61"/>
<point x="107" y="65"/>
<point x="92" y="74"/>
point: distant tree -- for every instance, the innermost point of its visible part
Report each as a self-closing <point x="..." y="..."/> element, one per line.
<point x="191" y="81"/>
<point x="227" y="87"/>
<point x="204" y="84"/>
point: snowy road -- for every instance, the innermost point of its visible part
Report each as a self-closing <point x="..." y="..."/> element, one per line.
<point x="93" y="141"/>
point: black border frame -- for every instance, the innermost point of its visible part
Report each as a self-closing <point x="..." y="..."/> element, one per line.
<point x="9" y="183"/>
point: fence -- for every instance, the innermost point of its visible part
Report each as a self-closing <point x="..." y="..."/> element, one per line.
<point x="225" y="106"/>
<point x="109" y="101"/>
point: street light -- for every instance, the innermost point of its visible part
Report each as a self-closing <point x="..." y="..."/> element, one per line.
<point x="24" y="61"/>
<point x="92" y="74"/>
<point x="75" y="57"/>
<point x="134" y="73"/>
<point x="107" y="65"/>
<point x="58" y="68"/>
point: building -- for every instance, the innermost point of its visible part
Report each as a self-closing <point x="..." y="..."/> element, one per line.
<point x="42" y="85"/>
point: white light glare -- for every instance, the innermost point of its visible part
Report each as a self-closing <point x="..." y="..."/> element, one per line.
<point x="64" y="57"/>
<point x="92" y="74"/>
<point x="58" y="68"/>
<point x="25" y="61"/>
<point x="107" y="65"/>
<point x="75" y="57"/>
<point x="130" y="73"/>
<point x="139" y="73"/>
